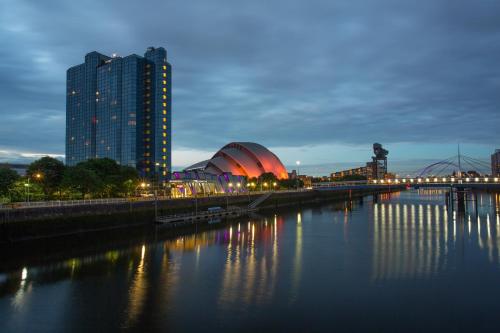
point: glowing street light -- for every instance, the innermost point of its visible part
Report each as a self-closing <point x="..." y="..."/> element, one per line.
<point x="38" y="176"/>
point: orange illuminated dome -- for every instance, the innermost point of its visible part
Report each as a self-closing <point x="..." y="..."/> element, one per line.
<point x="243" y="159"/>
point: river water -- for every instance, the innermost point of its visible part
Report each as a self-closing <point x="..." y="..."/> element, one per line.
<point x="395" y="263"/>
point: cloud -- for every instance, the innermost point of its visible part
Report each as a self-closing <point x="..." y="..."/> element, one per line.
<point x="291" y="74"/>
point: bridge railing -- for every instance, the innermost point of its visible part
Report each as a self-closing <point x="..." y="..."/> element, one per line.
<point x="437" y="180"/>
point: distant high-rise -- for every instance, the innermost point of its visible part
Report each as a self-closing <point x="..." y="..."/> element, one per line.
<point x="120" y="108"/>
<point x="495" y="163"/>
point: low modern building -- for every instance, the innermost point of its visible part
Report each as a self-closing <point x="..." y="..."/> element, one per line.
<point x="306" y="180"/>
<point x="243" y="159"/>
<point x="227" y="171"/>
<point x="365" y="171"/>
<point x="199" y="182"/>
<point x="376" y="169"/>
<point x="495" y="163"/>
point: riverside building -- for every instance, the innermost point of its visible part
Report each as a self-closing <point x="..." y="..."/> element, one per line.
<point x="120" y="108"/>
<point x="495" y="163"/>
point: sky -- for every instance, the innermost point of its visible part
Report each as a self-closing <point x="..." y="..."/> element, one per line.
<point x="315" y="81"/>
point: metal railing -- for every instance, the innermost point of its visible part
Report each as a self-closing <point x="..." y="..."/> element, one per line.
<point x="438" y="180"/>
<point x="64" y="203"/>
<point x="88" y="202"/>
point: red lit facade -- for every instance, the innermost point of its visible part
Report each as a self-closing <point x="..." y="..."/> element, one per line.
<point x="246" y="159"/>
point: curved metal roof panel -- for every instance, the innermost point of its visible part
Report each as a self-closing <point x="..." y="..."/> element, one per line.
<point x="246" y="162"/>
<point x="245" y="159"/>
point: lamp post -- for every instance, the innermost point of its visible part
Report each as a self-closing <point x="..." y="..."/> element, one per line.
<point x="142" y="186"/>
<point x="298" y="173"/>
<point x="27" y="185"/>
<point x="155" y="187"/>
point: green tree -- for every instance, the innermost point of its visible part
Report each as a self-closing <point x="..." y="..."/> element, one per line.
<point x="20" y="191"/>
<point x="7" y="179"/>
<point x="129" y="180"/>
<point x="82" y="180"/>
<point x="268" y="177"/>
<point x="108" y="173"/>
<point x="290" y="183"/>
<point x="48" y="172"/>
<point x="107" y="178"/>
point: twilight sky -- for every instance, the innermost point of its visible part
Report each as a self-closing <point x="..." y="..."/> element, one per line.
<point x="318" y="81"/>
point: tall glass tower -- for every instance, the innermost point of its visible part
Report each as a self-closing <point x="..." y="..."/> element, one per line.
<point x="120" y="108"/>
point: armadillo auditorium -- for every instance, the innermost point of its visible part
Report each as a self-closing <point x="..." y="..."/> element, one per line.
<point x="227" y="171"/>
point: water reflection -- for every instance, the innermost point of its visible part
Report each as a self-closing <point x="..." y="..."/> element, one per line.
<point x="249" y="275"/>
<point x="264" y="262"/>
<point x="417" y="244"/>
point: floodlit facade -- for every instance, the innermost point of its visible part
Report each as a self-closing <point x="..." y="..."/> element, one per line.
<point x="199" y="182"/>
<point x="120" y="108"/>
<point x="243" y="159"/>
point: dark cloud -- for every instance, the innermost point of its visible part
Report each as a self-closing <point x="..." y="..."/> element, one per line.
<point x="283" y="73"/>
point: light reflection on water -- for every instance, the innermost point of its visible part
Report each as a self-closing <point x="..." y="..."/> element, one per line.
<point x="280" y="264"/>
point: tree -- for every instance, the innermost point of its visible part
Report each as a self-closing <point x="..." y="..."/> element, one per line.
<point x="106" y="178"/>
<point x="7" y="179"/>
<point x="268" y="177"/>
<point x="82" y="180"/>
<point x="290" y="183"/>
<point x="48" y="172"/>
<point x="20" y="191"/>
<point x="129" y="180"/>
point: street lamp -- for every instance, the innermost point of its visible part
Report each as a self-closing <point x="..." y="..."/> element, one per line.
<point x="38" y="176"/>
<point x="274" y="185"/>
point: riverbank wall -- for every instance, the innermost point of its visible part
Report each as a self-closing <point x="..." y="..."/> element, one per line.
<point x="40" y="222"/>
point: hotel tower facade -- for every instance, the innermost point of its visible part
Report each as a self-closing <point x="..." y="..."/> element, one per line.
<point x="120" y="108"/>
